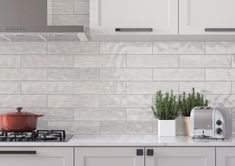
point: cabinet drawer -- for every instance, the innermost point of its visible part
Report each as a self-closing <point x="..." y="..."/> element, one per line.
<point x="36" y="156"/>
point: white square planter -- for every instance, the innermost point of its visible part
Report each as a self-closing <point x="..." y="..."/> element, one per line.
<point x="166" y="128"/>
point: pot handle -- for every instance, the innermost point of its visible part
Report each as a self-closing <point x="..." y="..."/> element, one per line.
<point x="39" y="116"/>
<point x="19" y="109"/>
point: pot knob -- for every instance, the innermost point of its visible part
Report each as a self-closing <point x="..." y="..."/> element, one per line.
<point x="19" y="109"/>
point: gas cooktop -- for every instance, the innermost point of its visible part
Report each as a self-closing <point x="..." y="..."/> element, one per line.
<point x="35" y="136"/>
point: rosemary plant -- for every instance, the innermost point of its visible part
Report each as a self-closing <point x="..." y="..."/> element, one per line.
<point x="165" y="106"/>
<point x="187" y="102"/>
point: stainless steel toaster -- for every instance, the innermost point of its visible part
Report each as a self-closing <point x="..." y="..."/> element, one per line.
<point x="211" y="122"/>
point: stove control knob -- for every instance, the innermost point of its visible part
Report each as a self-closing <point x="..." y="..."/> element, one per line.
<point x="218" y="122"/>
<point x="219" y="131"/>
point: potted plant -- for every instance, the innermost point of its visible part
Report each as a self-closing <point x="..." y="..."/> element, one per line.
<point x="186" y="103"/>
<point x="165" y="109"/>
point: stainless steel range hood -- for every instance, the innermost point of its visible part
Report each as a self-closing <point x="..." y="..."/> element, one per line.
<point x="26" y="20"/>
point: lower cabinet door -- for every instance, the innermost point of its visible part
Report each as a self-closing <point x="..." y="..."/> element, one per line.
<point x="109" y="156"/>
<point x="225" y="156"/>
<point x="38" y="156"/>
<point x="180" y="156"/>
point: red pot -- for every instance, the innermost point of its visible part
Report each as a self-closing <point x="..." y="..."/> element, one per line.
<point x="19" y="121"/>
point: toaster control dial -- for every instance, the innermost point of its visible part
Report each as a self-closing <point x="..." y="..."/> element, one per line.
<point x="219" y="131"/>
<point x="218" y="122"/>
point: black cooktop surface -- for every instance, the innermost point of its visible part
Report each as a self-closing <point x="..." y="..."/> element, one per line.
<point x="35" y="136"/>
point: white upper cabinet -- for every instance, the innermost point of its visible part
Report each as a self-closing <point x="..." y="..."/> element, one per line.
<point x="206" y="17"/>
<point x="134" y="16"/>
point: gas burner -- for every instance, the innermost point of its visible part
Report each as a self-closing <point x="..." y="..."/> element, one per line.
<point x="35" y="136"/>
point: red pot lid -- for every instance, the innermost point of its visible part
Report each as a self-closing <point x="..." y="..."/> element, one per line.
<point x="19" y="113"/>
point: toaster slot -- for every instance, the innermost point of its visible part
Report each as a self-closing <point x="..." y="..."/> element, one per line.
<point x="203" y="120"/>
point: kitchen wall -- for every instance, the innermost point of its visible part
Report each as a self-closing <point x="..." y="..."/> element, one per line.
<point x="108" y="87"/>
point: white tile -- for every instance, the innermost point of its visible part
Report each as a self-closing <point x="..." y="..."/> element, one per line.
<point x="113" y="100"/>
<point x="9" y="87"/>
<point x="233" y="60"/>
<point x="100" y="114"/>
<point x="61" y="74"/>
<point x="206" y="87"/>
<point x="221" y="100"/>
<point x="73" y="48"/>
<point x="151" y="87"/>
<point x="70" y="19"/>
<point x="220" y="74"/>
<point x="87" y="74"/>
<point x="205" y="61"/>
<point x="220" y="47"/>
<point x="126" y="48"/>
<point x="77" y="128"/>
<point x="233" y="87"/>
<point x="152" y="61"/>
<point x="86" y="101"/>
<point x="81" y="7"/>
<point x="139" y="114"/>
<point x="53" y="114"/>
<point x="100" y="61"/>
<point x="23" y="100"/>
<point x="126" y="100"/>
<point x="178" y="74"/>
<point x="60" y="7"/>
<point x="9" y="60"/>
<point x="23" y="74"/>
<point x="139" y="100"/>
<point x="47" y="87"/>
<point x="61" y="101"/>
<point x="126" y="127"/>
<point x="23" y="48"/>
<point x="33" y="73"/>
<point x="126" y="74"/>
<point x="84" y="87"/>
<point x="46" y="61"/>
<point x="178" y="48"/>
<point x="10" y="74"/>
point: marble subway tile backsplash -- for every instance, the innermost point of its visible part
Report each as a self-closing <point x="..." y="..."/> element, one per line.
<point x="108" y="87"/>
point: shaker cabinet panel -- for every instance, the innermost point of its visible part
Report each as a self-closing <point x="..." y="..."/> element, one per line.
<point x="206" y="17"/>
<point x="225" y="156"/>
<point x="108" y="156"/>
<point x="181" y="156"/>
<point x="30" y="156"/>
<point x="134" y="16"/>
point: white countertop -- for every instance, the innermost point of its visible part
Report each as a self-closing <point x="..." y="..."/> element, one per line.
<point x="126" y="140"/>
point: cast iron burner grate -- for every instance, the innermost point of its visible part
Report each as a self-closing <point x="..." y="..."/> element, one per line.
<point x="35" y="136"/>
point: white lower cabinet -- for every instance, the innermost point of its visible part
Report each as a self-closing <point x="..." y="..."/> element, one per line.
<point x="36" y="156"/>
<point x="109" y="156"/>
<point x="180" y="156"/>
<point x="132" y="156"/>
<point x="225" y="156"/>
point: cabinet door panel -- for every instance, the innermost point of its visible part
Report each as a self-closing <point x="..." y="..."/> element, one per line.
<point x="196" y="15"/>
<point x="107" y="156"/>
<point x="44" y="156"/>
<point x="161" y="15"/>
<point x="180" y="156"/>
<point x="225" y="156"/>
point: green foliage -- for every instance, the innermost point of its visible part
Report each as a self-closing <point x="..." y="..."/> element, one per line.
<point x="165" y="106"/>
<point x="187" y="102"/>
